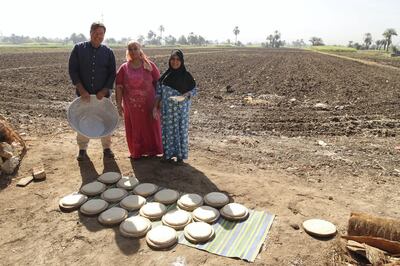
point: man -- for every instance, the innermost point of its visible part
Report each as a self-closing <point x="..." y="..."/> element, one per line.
<point x="92" y="71"/>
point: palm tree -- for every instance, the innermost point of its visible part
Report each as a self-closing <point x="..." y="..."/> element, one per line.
<point x="367" y="40"/>
<point x="236" y="31"/>
<point x="161" y="29"/>
<point x="270" y="38"/>
<point x="388" y="37"/>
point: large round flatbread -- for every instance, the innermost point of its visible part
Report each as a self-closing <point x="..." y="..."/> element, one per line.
<point x="109" y="177"/>
<point x="166" y="196"/>
<point x="145" y="189"/>
<point x="153" y="210"/>
<point x="132" y="202"/>
<point x="205" y="214"/>
<point x="190" y="201"/>
<point x="234" y="210"/>
<point x="112" y="216"/>
<point x="135" y="226"/>
<point x="93" y="188"/>
<point x="198" y="232"/>
<point x="176" y="219"/>
<point x="127" y="182"/>
<point x="94" y="206"/>
<point x="319" y="228"/>
<point x="216" y="199"/>
<point x="73" y="200"/>
<point x="114" y="194"/>
<point x="161" y="237"/>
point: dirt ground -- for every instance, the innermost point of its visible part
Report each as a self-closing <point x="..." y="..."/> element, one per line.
<point x="263" y="152"/>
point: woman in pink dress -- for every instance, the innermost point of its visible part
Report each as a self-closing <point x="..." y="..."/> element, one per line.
<point x="135" y="95"/>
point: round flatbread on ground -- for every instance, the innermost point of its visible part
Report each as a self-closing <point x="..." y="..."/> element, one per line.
<point x="153" y="210"/>
<point x="166" y="196"/>
<point x="109" y="177"/>
<point x="93" y="207"/>
<point x="190" y="201"/>
<point x="198" y="232"/>
<point x="93" y="189"/>
<point x="112" y="216"/>
<point x="319" y="228"/>
<point x="234" y="212"/>
<point x="132" y="202"/>
<point x="161" y="237"/>
<point x="114" y="194"/>
<point x="176" y="219"/>
<point x="216" y="199"/>
<point x="205" y="214"/>
<point x="145" y="189"/>
<point x="72" y="201"/>
<point x="127" y="182"/>
<point x="135" y="226"/>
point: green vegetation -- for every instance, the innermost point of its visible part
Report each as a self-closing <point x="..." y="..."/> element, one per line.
<point x="33" y="48"/>
<point x="332" y="48"/>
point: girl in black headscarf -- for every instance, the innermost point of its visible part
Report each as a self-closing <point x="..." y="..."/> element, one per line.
<point x="174" y="91"/>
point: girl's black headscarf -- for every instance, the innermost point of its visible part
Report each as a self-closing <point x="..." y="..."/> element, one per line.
<point x="179" y="79"/>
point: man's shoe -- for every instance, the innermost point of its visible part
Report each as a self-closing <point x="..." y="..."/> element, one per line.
<point x="107" y="153"/>
<point x="82" y="156"/>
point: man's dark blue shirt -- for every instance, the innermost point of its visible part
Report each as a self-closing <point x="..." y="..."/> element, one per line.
<point x="93" y="67"/>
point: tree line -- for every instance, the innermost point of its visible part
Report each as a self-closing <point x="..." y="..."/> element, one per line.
<point x="368" y="42"/>
<point x="273" y="40"/>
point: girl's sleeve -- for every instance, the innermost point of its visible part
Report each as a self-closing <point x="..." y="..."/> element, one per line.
<point x="193" y="92"/>
<point x="158" y="90"/>
<point x="119" y="80"/>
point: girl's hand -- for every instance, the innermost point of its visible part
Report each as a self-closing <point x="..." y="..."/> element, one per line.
<point x="156" y="114"/>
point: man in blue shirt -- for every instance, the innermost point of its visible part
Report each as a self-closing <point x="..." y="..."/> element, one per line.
<point x="92" y="71"/>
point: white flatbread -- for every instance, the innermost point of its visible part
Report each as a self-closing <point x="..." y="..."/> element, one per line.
<point x="206" y="214"/>
<point x="216" y="199"/>
<point x="166" y="196"/>
<point x="127" y="182"/>
<point x="109" y="177"/>
<point x="162" y="236"/>
<point x="132" y="202"/>
<point x="176" y="218"/>
<point x="199" y="232"/>
<point x="93" y="188"/>
<point x="191" y="200"/>
<point x="94" y="206"/>
<point x="145" y="189"/>
<point x="135" y="226"/>
<point x="114" y="194"/>
<point x="112" y="216"/>
<point x="319" y="228"/>
<point x="73" y="200"/>
<point x="234" y="210"/>
<point x="153" y="210"/>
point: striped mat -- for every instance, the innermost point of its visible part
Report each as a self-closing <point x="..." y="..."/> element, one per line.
<point x="237" y="239"/>
<point x="232" y="239"/>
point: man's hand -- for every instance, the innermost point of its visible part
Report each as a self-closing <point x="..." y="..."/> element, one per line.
<point x="102" y="93"/>
<point x="85" y="96"/>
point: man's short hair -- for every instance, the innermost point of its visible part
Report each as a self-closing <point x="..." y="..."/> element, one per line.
<point x="96" y="25"/>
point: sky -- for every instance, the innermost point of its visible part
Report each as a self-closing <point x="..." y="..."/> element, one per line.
<point x="335" y="21"/>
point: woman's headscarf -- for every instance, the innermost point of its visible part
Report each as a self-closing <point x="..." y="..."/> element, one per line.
<point x="179" y="79"/>
<point x="143" y="56"/>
